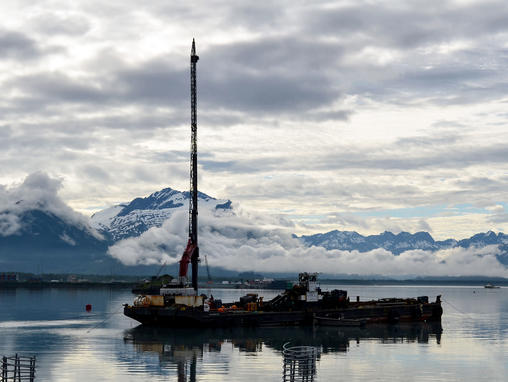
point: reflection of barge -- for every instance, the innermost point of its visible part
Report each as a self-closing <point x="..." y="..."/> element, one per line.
<point x="179" y="305"/>
<point x="185" y="351"/>
<point x="330" y="340"/>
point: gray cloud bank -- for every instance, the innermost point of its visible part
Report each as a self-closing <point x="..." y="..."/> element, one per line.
<point x="244" y="243"/>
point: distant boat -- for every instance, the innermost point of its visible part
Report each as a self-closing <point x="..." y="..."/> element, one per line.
<point x="490" y="286"/>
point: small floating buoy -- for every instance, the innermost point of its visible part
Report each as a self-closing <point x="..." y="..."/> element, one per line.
<point x="88" y="307"/>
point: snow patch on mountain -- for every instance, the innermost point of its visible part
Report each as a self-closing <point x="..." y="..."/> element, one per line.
<point x="102" y="220"/>
<point x="132" y="219"/>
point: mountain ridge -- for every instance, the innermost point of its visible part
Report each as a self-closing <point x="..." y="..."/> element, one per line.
<point x="403" y="241"/>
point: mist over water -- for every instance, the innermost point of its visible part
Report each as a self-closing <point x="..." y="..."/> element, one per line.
<point x="103" y="345"/>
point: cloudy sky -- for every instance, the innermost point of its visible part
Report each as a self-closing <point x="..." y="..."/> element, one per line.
<point x="349" y="115"/>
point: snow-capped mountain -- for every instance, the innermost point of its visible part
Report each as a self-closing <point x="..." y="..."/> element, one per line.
<point x="134" y="218"/>
<point x="395" y="243"/>
<point x="403" y="241"/>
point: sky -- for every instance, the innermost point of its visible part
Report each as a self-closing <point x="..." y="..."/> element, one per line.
<point x="349" y="115"/>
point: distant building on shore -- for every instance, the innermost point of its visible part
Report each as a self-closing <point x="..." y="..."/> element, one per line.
<point x="9" y="277"/>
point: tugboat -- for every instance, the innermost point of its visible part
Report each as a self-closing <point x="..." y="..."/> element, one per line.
<point x="178" y="304"/>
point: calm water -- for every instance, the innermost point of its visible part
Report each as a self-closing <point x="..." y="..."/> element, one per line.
<point x="72" y="345"/>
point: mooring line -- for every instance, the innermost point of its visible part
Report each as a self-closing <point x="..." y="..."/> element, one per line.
<point x="457" y="309"/>
<point x="103" y="321"/>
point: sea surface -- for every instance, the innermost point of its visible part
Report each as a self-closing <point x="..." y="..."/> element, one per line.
<point x="71" y="344"/>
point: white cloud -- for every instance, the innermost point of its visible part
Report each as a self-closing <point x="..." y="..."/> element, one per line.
<point x="37" y="192"/>
<point x="238" y="242"/>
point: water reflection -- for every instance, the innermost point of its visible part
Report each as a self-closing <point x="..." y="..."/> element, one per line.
<point x="183" y="349"/>
<point x="73" y="345"/>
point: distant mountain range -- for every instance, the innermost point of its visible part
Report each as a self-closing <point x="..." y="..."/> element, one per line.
<point x="403" y="241"/>
<point x="47" y="240"/>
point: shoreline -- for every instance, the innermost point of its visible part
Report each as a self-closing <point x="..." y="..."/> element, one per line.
<point x="130" y="285"/>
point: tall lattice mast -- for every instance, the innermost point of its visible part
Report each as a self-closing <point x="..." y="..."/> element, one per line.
<point x="191" y="253"/>
<point x="193" y="202"/>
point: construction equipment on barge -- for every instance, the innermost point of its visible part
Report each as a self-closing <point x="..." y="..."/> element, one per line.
<point x="178" y="304"/>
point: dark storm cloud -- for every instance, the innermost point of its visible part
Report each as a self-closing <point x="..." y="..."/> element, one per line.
<point x="256" y="78"/>
<point x="154" y="81"/>
<point x="274" y="55"/>
<point x="270" y="75"/>
<point x="17" y="45"/>
<point x="247" y="77"/>
<point x="266" y="93"/>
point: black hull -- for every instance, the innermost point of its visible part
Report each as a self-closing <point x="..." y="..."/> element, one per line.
<point x="197" y="318"/>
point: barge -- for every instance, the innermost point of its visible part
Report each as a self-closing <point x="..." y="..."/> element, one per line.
<point x="304" y="304"/>
<point x="178" y="304"/>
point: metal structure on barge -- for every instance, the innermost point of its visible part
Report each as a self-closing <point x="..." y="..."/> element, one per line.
<point x="179" y="305"/>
